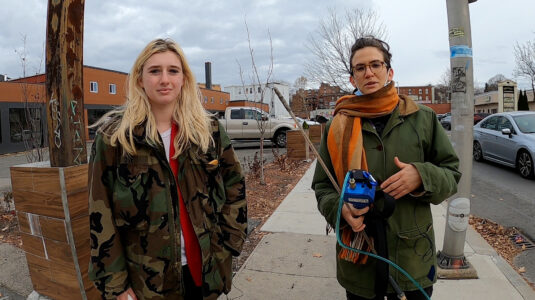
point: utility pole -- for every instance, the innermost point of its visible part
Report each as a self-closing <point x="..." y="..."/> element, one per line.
<point x="451" y="260"/>
<point x="64" y="84"/>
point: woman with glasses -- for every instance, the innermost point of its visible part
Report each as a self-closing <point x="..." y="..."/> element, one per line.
<point x="166" y="191"/>
<point x="403" y="146"/>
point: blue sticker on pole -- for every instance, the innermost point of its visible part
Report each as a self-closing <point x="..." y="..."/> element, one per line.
<point x="460" y="51"/>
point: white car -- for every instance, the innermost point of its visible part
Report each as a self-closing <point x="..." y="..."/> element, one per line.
<point x="507" y="138"/>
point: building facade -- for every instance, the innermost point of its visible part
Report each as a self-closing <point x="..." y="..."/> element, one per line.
<point x="504" y="99"/>
<point x="252" y="93"/>
<point x="421" y="94"/>
<point x="305" y="103"/>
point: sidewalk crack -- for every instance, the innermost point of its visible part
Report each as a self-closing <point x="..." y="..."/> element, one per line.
<point x="289" y="274"/>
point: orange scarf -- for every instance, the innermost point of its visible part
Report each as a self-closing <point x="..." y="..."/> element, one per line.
<point x="345" y="142"/>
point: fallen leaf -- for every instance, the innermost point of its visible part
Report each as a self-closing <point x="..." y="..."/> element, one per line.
<point x="523" y="247"/>
<point x="1" y="237"/>
<point x="501" y="199"/>
<point x="249" y="279"/>
<point x="317" y="255"/>
<point x="522" y="270"/>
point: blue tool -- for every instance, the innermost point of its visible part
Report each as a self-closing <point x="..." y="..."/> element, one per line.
<point x="359" y="188"/>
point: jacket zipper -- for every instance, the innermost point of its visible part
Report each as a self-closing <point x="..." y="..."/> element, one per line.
<point x="172" y="185"/>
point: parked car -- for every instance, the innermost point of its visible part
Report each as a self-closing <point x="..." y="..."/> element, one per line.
<point x="241" y="124"/>
<point x="479" y="116"/>
<point x="507" y="138"/>
<point x="446" y="122"/>
<point x="442" y="116"/>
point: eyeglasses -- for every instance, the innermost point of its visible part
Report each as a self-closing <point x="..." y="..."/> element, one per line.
<point x="375" y="67"/>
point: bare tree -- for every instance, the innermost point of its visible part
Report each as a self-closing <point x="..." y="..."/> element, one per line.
<point x="331" y="45"/>
<point x="492" y="83"/>
<point x="443" y="87"/>
<point x="259" y="88"/>
<point x="32" y="123"/>
<point x="525" y="62"/>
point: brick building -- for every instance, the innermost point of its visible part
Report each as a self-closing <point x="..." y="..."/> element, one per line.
<point x="421" y="94"/>
<point x="305" y="101"/>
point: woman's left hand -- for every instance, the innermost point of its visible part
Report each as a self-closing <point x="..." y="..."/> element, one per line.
<point x="403" y="182"/>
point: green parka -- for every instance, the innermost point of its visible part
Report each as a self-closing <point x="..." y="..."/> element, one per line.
<point x="134" y="217"/>
<point x="418" y="139"/>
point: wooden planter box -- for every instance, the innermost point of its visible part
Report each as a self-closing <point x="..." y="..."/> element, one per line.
<point x="52" y="208"/>
<point x="295" y="145"/>
<point x="314" y="133"/>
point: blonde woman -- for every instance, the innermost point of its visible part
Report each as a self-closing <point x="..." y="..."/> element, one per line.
<point x="167" y="195"/>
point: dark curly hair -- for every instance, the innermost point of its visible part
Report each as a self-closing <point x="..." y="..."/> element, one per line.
<point x="370" y="41"/>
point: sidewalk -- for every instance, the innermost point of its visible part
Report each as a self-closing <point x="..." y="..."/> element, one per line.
<point x="297" y="261"/>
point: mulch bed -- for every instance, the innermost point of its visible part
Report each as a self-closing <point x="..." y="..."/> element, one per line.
<point x="499" y="238"/>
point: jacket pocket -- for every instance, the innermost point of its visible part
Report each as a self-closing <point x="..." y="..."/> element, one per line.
<point x="415" y="250"/>
<point x="222" y="261"/>
<point x="132" y="197"/>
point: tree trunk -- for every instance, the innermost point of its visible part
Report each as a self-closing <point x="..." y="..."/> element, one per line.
<point x="262" y="179"/>
<point x="64" y="83"/>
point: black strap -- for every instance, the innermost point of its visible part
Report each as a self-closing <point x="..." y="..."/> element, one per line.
<point x="376" y="227"/>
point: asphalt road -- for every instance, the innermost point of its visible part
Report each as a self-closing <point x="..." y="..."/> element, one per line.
<point x="502" y="195"/>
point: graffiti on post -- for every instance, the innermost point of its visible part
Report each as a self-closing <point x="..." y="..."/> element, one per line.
<point x="458" y="79"/>
<point x="78" y="145"/>
<point x="56" y="120"/>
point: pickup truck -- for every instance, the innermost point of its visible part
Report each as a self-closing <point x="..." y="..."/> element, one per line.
<point x="241" y="124"/>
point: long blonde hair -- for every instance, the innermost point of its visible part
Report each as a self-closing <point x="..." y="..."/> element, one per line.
<point x="192" y="119"/>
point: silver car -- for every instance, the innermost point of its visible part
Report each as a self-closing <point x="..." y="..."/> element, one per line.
<point x="507" y="138"/>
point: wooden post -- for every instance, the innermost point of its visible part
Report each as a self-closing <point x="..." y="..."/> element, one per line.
<point x="64" y="83"/>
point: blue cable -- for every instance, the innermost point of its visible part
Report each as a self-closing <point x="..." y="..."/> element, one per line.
<point x="371" y="254"/>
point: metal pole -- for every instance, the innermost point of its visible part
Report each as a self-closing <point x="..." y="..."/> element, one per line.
<point x="462" y="85"/>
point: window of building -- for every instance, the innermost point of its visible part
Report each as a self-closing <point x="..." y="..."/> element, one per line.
<point x="113" y="89"/>
<point x="21" y="128"/>
<point x="250" y="90"/>
<point x="426" y="91"/>
<point x="239" y="91"/>
<point x="426" y="97"/>
<point x="220" y="100"/>
<point x="205" y="99"/>
<point x="410" y="91"/>
<point x="93" y="87"/>
<point x="420" y="91"/>
<point x="212" y="100"/>
<point x="259" y="89"/>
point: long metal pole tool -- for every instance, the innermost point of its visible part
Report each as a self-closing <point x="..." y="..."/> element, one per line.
<point x="394" y="284"/>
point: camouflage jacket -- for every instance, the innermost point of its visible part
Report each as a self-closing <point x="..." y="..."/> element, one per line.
<point x="134" y="217"/>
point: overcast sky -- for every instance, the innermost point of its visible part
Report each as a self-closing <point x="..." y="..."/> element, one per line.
<point x="116" y="31"/>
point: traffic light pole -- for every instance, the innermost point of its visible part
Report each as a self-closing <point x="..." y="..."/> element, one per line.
<point x="451" y="260"/>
